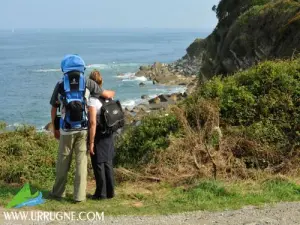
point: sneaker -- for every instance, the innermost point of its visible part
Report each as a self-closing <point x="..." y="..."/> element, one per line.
<point x="77" y="202"/>
<point x="96" y="197"/>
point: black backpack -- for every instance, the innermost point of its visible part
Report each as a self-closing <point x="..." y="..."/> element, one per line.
<point x="111" y="117"/>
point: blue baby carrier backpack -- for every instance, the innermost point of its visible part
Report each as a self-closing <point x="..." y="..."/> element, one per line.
<point x="72" y="94"/>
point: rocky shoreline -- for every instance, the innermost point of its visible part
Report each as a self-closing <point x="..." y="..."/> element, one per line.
<point x="182" y="72"/>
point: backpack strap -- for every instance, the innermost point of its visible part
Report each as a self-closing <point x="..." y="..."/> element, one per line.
<point x="66" y="83"/>
<point x="82" y="85"/>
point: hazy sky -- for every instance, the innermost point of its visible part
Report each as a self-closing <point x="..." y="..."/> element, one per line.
<point x="107" y="14"/>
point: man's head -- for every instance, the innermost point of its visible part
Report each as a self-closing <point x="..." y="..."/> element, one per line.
<point x="72" y="63"/>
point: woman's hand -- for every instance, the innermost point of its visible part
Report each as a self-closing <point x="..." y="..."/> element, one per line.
<point x="91" y="148"/>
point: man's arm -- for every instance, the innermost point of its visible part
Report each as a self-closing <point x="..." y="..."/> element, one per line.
<point x="53" y="115"/>
<point x="54" y="104"/>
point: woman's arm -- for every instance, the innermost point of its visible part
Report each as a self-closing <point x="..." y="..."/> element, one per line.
<point x="108" y="94"/>
<point x="96" y="90"/>
<point x="92" y="128"/>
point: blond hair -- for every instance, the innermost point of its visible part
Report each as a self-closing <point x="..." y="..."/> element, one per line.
<point x="95" y="75"/>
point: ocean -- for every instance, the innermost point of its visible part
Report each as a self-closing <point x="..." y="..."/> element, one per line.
<point x="30" y="65"/>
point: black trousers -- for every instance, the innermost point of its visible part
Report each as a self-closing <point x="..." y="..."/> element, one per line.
<point x="104" y="175"/>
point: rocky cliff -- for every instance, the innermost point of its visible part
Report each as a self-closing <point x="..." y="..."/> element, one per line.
<point x="248" y="31"/>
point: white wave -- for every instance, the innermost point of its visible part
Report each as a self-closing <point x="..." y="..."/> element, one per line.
<point x="131" y="77"/>
<point x="127" y="64"/>
<point x="98" y="66"/>
<point x="15" y="125"/>
<point x="180" y="89"/>
<point x="152" y="96"/>
<point x="131" y="103"/>
<point x="126" y="75"/>
<point x="112" y="65"/>
<point x="42" y="129"/>
<point x="168" y="90"/>
<point x="141" y="78"/>
<point x="47" y="70"/>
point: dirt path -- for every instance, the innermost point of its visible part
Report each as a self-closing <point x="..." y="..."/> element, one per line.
<point x="279" y="214"/>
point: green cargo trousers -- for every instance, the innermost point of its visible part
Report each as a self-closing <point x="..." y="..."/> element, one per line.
<point x="68" y="144"/>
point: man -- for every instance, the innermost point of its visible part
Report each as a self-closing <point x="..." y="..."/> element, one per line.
<point x="70" y="95"/>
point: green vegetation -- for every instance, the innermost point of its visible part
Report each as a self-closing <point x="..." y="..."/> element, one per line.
<point x="2" y="125"/>
<point x="27" y="156"/>
<point x="196" y="47"/>
<point x="229" y="10"/>
<point x="248" y="32"/>
<point x="253" y="12"/>
<point x="138" y="144"/>
<point x="265" y="99"/>
<point x="148" y="199"/>
<point x="234" y="126"/>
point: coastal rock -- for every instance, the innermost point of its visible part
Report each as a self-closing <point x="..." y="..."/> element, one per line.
<point x="184" y="95"/>
<point x="155" y="100"/>
<point x="142" y="84"/>
<point x="145" y="67"/>
<point x="140" y="107"/>
<point x="140" y="73"/>
<point x="173" y="97"/>
<point x="49" y="127"/>
<point x="161" y="102"/>
<point x="157" y="66"/>
<point x="163" y="98"/>
<point x="167" y="74"/>
<point x="242" y="39"/>
<point x="145" y="97"/>
<point x="129" y="117"/>
<point x="140" y="115"/>
<point x="158" y="106"/>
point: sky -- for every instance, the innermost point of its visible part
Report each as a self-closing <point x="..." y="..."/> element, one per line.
<point x="194" y="14"/>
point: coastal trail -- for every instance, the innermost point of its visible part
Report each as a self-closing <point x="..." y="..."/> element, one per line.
<point x="278" y="214"/>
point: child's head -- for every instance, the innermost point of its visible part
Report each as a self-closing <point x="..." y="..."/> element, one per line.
<point x="96" y="76"/>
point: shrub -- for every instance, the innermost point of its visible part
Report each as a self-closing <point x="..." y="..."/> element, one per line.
<point x="264" y="98"/>
<point x="27" y="155"/>
<point x="137" y="144"/>
<point x="2" y="125"/>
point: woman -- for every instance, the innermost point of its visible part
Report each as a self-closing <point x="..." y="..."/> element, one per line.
<point x="101" y="148"/>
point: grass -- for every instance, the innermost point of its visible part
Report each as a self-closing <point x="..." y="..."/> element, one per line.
<point x="2" y="125"/>
<point x="158" y="198"/>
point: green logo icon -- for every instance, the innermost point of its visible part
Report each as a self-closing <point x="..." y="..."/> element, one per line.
<point x="25" y="198"/>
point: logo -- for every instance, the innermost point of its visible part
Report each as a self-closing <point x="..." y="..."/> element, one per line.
<point x="25" y="198"/>
<point x="115" y="112"/>
<point x="74" y="81"/>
